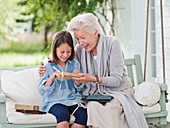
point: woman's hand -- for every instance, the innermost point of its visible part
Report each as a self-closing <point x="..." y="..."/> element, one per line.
<point x="85" y="78"/>
<point x="76" y="82"/>
<point x="41" y="69"/>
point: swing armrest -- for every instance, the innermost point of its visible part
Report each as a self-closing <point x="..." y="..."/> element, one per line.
<point x="2" y="108"/>
<point x="2" y="97"/>
<point x="162" y="100"/>
<point x="163" y="86"/>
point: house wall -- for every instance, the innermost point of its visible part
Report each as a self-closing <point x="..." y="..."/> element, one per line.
<point x="138" y="16"/>
<point x="123" y="26"/>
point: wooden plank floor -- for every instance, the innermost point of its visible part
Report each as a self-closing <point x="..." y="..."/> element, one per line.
<point x="158" y="126"/>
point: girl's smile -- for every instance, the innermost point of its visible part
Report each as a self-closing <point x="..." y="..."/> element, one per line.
<point x="63" y="52"/>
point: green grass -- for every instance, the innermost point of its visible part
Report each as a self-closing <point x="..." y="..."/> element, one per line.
<point x="16" y="54"/>
<point x="20" y="59"/>
<point x="21" y="47"/>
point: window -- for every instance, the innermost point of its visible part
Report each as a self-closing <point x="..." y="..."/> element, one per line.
<point x="153" y="38"/>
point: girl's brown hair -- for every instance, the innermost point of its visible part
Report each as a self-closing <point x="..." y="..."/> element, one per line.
<point x="59" y="38"/>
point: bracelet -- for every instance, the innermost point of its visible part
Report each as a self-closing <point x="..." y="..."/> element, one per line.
<point x="97" y="80"/>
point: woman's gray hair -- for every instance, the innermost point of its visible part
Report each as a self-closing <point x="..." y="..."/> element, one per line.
<point x="87" y="21"/>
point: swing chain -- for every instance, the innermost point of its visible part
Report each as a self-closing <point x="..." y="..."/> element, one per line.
<point x="163" y="55"/>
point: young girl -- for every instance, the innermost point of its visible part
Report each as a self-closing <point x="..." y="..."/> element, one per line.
<point x="62" y="98"/>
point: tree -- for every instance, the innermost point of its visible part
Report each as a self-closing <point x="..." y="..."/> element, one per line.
<point x="105" y="12"/>
<point x="53" y="14"/>
<point x="103" y="9"/>
<point x="9" y="12"/>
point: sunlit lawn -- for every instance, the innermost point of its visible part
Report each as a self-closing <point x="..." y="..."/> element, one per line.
<point x="20" y="59"/>
<point x="21" y="54"/>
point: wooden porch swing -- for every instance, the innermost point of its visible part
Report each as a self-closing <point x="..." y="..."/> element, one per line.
<point x="158" y="117"/>
<point x="135" y="75"/>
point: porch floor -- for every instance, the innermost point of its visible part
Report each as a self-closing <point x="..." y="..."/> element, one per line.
<point x="158" y="126"/>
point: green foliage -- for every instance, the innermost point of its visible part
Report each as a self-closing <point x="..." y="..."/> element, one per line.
<point x="10" y="11"/>
<point x="52" y="15"/>
<point x="46" y="52"/>
<point x="55" y="13"/>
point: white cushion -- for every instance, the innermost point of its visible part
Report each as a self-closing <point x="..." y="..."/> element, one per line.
<point x="21" y="88"/>
<point x="151" y="109"/>
<point x="147" y="93"/>
<point x="21" y="118"/>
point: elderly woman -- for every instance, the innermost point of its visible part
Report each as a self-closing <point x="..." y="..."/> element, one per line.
<point x="102" y="63"/>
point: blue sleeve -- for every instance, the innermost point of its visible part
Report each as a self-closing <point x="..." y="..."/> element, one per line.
<point x="77" y="66"/>
<point x="80" y="88"/>
<point x="45" y="90"/>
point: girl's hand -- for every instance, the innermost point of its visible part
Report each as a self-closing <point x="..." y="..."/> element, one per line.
<point x="51" y="79"/>
<point x="77" y="83"/>
<point x="41" y="69"/>
<point x="53" y="76"/>
<point x="76" y="71"/>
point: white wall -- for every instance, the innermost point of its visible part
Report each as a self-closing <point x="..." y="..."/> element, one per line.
<point x="138" y="19"/>
<point x="123" y="26"/>
<point x="130" y="26"/>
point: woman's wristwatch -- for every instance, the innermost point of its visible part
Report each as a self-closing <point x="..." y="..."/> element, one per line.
<point x="97" y="80"/>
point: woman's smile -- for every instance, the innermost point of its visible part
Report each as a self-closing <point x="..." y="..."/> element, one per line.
<point x="86" y="46"/>
<point x="86" y="39"/>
